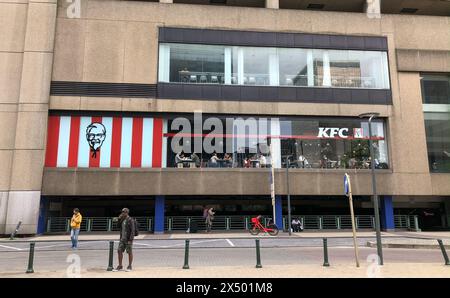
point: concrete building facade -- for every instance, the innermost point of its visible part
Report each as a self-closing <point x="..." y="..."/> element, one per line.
<point x="65" y="65"/>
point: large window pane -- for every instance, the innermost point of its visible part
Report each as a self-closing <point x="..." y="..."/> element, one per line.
<point x="187" y="63"/>
<point x="293" y="67"/>
<point x="196" y="64"/>
<point x="437" y="127"/>
<point x="257" y="65"/>
<point x="322" y="143"/>
<point x="435" y="89"/>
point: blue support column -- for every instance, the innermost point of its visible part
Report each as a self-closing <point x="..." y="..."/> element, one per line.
<point x="43" y="208"/>
<point x="387" y="214"/>
<point x="159" y="215"/>
<point x="279" y="212"/>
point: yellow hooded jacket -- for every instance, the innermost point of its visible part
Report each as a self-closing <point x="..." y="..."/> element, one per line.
<point x="75" y="222"/>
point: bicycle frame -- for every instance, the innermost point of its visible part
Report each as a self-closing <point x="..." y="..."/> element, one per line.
<point x="262" y="228"/>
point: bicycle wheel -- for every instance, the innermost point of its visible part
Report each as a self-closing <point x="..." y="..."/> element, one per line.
<point x="273" y="230"/>
<point x="254" y="231"/>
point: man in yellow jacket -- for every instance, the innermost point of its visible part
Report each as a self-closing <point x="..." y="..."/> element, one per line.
<point x="75" y="224"/>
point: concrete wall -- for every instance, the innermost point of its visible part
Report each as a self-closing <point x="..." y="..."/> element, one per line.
<point x="116" y="41"/>
<point x="26" y="57"/>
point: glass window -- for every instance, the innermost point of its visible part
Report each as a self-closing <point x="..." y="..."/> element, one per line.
<point x="196" y="64"/>
<point x="435" y="89"/>
<point x="322" y="143"/>
<point x="257" y="65"/>
<point x="437" y="128"/>
<point x="293" y="67"/>
<point x="207" y="64"/>
<point x="329" y="143"/>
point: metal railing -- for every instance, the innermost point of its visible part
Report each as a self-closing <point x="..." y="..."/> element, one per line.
<point x="94" y="224"/>
<point x="232" y="222"/>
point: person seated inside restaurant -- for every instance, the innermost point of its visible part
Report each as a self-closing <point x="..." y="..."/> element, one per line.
<point x="262" y="161"/>
<point x="303" y="162"/>
<point x="247" y="163"/>
<point x="228" y="160"/>
<point x="195" y="159"/>
<point x="179" y="159"/>
<point x="213" y="161"/>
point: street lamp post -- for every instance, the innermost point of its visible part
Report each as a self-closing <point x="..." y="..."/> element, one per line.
<point x="374" y="186"/>
<point x="288" y="195"/>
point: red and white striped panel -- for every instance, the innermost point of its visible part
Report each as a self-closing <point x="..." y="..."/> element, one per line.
<point x="127" y="142"/>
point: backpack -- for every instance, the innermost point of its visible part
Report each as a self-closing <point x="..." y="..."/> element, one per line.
<point x="136" y="226"/>
<point x="205" y="213"/>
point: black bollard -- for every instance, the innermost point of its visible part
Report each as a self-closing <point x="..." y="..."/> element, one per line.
<point x="186" y="255"/>
<point x="325" y="253"/>
<point x="444" y="253"/>
<point x="258" y="255"/>
<point x="111" y="252"/>
<point x="31" y="258"/>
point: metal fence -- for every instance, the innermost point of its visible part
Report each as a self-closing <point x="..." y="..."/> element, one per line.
<point x="182" y="223"/>
<point x="95" y="224"/>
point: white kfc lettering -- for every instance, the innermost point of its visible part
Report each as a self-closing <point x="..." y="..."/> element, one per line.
<point x="332" y="132"/>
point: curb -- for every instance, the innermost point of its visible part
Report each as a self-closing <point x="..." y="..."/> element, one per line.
<point x="409" y="246"/>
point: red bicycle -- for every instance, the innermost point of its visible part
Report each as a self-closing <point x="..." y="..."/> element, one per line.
<point x="271" y="228"/>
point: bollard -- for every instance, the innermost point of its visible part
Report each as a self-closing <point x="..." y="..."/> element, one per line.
<point x="325" y="253"/>
<point x="258" y="255"/>
<point x="111" y="252"/>
<point x="444" y="253"/>
<point x="31" y="258"/>
<point x="186" y="255"/>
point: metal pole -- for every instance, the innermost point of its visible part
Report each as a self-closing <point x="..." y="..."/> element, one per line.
<point x="288" y="195"/>
<point x="272" y="186"/>
<point x="325" y="253"/>
<point x="444" y="253"/>
<point x="111" y="252"/>
<point x="375" y="196"/>
<point x="186" y="255"/>
<point x="31" y="258"/>
<point x="352" y="214"/>
<point x="258" y="255"/>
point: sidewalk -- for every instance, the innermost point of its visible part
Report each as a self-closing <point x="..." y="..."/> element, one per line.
<point x="238" y="234"/>
<point x="274" y="271"/>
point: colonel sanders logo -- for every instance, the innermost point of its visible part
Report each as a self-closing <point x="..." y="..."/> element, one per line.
<point x="95" y="135"/>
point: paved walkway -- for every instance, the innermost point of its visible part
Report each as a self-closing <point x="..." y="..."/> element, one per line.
<point x="203" y="235"/>
<point x="270" y="271"/>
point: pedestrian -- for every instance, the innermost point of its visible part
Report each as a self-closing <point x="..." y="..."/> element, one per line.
<point x="127" y="233"/>
<point x="75" y="224"/>
<point x="209" y="219"/>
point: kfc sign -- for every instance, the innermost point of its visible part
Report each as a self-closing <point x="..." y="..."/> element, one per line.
<point x="335" y="132"/>
<point x="105" y="142"/>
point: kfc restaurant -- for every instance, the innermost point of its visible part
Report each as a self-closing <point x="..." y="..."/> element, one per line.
<point x="104" y="151"/>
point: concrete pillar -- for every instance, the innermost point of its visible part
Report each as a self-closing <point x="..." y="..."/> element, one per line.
<point x="27" y="50"/>
<point x="387" y="213"/>
<point x="373" y="8"/>
<point x="279" y="212"/>
<point x="43" y="209"/>
<point x="275" y="4"/>
<point x="165" y="1"/>
<point x="159" y="214"/>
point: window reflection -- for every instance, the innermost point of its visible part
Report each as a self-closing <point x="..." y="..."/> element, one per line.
<point x="310" y="143"/>
<point x="264" y="66"/>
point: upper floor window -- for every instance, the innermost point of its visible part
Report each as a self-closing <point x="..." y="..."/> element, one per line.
<point x="270" y="66"/>
<point x="436" y="107"/>
<point x="435" y="89"/>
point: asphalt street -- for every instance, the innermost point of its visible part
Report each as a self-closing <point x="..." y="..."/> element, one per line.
<point x="93" y="255"/>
